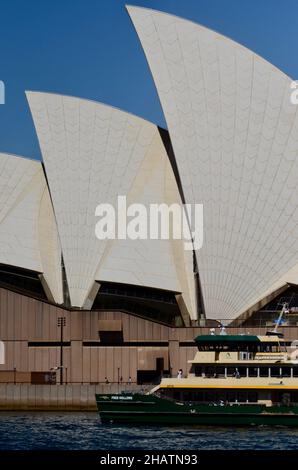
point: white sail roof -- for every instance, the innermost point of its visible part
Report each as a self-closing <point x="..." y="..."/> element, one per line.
<point x="234" y="132"/>
<point x="93" y="153"/>
<point x="28" y="232"/>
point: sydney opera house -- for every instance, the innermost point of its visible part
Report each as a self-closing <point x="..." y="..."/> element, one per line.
<point x="132" y="307"/>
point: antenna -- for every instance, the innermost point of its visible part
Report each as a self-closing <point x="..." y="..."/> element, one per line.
<point x="284" y="310"/>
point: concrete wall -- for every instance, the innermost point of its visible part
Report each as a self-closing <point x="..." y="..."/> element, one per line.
<point x="55" y="397"/>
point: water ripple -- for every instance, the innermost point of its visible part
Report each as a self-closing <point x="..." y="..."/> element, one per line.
<point x="83" y="431"/>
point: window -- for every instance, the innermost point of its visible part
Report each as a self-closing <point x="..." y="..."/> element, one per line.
<point x="231" y="371"/>
<point x="252" y="372"/>
<point x="242" y="397"/>
<point x="286" y="372"/>
<point x="210" y="396"/>
<point x="275" y="372"/>
<point x="252" y="397"/>
<point x="231" y="396"/>
<point x="242" y="371"/>
<point x="264" y="371"/>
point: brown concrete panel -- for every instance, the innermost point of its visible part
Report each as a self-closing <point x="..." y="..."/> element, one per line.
<point x="101" y="354"/>
<point x="76" y="364"/>
<point x="110" y="370"/>
<point x="86" y="364"/>
<point x="133" y="361"/>
<point x="24" y="364"/>
<point x="93" y="365"/>
<point x="76" y="325"/>
<point x="86" y="320"/>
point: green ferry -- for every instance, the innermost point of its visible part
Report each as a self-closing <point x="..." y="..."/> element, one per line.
<point x="233" y="380"/>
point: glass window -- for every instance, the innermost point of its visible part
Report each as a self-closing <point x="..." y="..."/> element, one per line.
<point x="286" y="372"/>
<point x="242" y="371"/>
<point x="264" y="371"/>
<point x="231" y="371"/>
<point x="252" y="397"/>
<point x="199" y="396"/>
<point x="252" y="372"/>
<point x="275" y="372"/>
<point x="221" y="396"/>
<point x="198" y="371"/>
<point x="220" y="371"/>
<point x="242" y="396"/>
<point x="210" y="396"/>
<point x="231" y="396"/>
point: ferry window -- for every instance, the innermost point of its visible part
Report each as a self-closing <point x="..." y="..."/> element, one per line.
<point x="176" y="395"/>
<point x="243" y="355"/>
<point x="221" y="396"/>
<point x="231" y="396"/>
<point x="231" y="371"/>
<point x="199" y="396"/>
<point x="252" y="372"/>
<point x="275" y="372"/>
<point x="286" y="372"/>
<point x="252" y="397"/>
<point x="210" y="371"/>
<point x="264" y="371"/>
<point x="210" y="396"/>
<point x="187" y="396"/>
<point x="220" y="371"/>
<point x="295" y="371"/>
<point x="198" y="371"/>
<point x="242" y="396"/>
<point x="242" y="371"/>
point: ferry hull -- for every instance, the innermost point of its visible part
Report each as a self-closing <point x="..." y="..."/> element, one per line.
<point x="141" y="411"/>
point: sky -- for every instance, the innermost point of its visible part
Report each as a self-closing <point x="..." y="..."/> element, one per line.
<point x="89" y="49"/>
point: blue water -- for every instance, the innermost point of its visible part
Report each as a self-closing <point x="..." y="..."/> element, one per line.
<point x="82" y="431"/>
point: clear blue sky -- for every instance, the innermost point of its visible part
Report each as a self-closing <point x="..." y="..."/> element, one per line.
<point x="88" y="48"/>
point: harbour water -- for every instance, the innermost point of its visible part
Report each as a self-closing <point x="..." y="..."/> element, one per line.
<point x="83" y="431"/>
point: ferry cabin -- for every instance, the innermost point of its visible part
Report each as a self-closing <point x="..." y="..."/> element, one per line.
<point x="231" y="369"/>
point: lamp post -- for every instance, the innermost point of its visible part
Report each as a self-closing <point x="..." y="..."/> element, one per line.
<point x="61" y="324"/>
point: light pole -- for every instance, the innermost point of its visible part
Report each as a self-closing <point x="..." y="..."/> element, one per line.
<point x="61" y="324"/>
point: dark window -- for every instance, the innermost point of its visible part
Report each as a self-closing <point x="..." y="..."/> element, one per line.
<point x="252" y="397"/>
<point x="198" y="371"/>
<point x="286" y="372"/>
<point x="231" y="396"/>
<point x="155" y="304"/>
<point x="21" y="280"/>
<point x="264" y="371"/>
<point x="242" y="397"/>
<point x="113" y="337"/>
<point x="252" y="372"/>
<point x="210" y="396"/>
<point x="231" y="371"/>
<point x="275" y="372"/>
<point x="242" y="371"/>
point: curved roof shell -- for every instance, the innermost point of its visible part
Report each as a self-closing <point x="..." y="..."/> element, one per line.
<point x="93" y="153"/>
<point x="234" y="132"/>
<point x="28" y="231"/>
